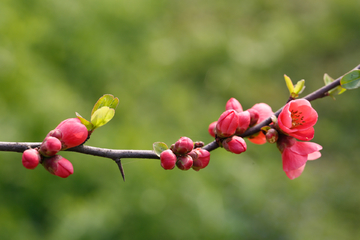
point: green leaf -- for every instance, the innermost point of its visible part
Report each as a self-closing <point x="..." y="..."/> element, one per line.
<point x="351" y="80"/>
<point x="87" y="124"/>
<point x="327" y="79"/>
<point x="102" y="116"/>
<point x="336" y="90"/>
<point x="159" y="147"/>
<point x="299" y="87"/>
<point x="289" y="84"/>
<point x="107" y="100"/>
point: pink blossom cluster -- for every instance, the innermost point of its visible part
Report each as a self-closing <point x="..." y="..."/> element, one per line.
<point x="296" y="121"/>
<point x="69" y="133"/>
<point x="185" y="156"/>
<point x="234" y="121"/>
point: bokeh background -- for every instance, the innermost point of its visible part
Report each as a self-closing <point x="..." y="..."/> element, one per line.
<point x="173" y="65"/>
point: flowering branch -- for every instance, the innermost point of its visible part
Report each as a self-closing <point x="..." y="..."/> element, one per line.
<point x="320" y="93"/>
<point x="233" y="125"/>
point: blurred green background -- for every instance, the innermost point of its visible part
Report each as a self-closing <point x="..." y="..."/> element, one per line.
<point x="173" y="65"/>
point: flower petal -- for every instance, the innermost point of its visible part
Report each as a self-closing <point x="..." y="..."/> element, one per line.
<point x="310" y="117"/>
<point x="292" y="160"/>
<point x="314" y="156"/>
<point x="264" y="111"/>
<point x="295" y="173"/>
<point x="299" y="102"/>
<point x="284" y="119"/>
<point x="305" y="148"/>
<point x="258" y="139"/>
<point x="305" y="135"/>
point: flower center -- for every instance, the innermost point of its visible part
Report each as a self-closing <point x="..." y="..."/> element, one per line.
<point x="297" y="118"/>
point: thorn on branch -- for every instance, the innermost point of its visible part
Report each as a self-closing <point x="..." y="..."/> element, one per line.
<point x="118" y="162"/>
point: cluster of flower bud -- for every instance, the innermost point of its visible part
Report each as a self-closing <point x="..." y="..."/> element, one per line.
<point x="69" y="133"/>
<point x="231" y="123"/>
<point x="185" y="155"/>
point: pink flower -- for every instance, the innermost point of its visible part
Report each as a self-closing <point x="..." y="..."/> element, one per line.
<point x="212" y="128"/>
<point x="183" y="146"/>
<point x="201" y="158"/>
<point x="59" y="166"/>
<point x="50" y="146"/>
<point x="233" y="104"/>
<point x="234" y="144"/>
<point x="184" y="162"/>
<point x="297" y="119"/>
<point x="227" y="124"/>
<point x="71" y="132"/>
<point x="167" y="159"/>
<point x="244" y="122"/>
<point x="30" y="158"/>
<point x="295" y="154"/>
<point x="264" y="112"/>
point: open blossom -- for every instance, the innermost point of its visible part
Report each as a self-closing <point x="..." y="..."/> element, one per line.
<point x="297" y="119"/>
<point x="264" y="112"/>
<point x="295" y="154"/>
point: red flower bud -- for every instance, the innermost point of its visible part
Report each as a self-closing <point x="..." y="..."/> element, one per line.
<point x="73" y="132"/>
<point x="59" y="166"/>
<point x="272" y="135"/>
<point x="30" y="158"/>
<point x="227" y="124"/>
<point x="167" y="159"/>
<point x="244" y="122"/>
<point x="212" y="128"/>
<point x="50" y="146"/>
<point x="201" y="158"/>
<point x="184" y="162"/>
<point x="183" y="146"/>
<point x="55" y="133"/>
<point x="254" y="116"/>
<point x="233" y="104"/>
<point x="234" y="144"/>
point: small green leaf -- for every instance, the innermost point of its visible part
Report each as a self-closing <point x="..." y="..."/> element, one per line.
<point x="327" y="79"/>
<point x="299" y="87"/>
<point x="87" y="124"/>
<point x="289" y="84"/>
<point x="351" y="80"/>
<point x="266" y="128"/>
<point x="336" y="90"/>
<point x="107" y="100"/>
<point x="159" y="147"/>
<point x="102" y="116"/>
